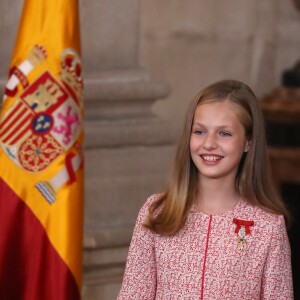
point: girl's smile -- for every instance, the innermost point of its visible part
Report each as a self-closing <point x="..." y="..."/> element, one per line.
<point x="211" y="159"/>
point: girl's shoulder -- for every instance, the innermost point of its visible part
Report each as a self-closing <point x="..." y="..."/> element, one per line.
<point x="153" y="198"/>
<point x="146" y="206"/>
<point x="260" y="215"/>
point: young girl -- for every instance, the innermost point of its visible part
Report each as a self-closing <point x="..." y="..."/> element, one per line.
<point x="218" y="232"/>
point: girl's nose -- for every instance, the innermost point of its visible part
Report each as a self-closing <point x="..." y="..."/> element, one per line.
<point x="209" y="142"/>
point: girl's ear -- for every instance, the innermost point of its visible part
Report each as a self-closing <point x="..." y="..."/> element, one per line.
<point x="247" y="146"/>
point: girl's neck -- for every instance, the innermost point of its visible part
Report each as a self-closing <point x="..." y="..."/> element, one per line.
<point x="217" y="196"/>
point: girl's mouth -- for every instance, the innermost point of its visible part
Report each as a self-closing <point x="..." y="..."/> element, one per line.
<point x="211" y="158"/>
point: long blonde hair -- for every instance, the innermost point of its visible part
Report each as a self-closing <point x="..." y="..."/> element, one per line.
<point x="253" y="180"/>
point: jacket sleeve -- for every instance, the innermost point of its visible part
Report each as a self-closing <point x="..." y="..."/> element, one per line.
<point x="277" y="276"/>
<point x="139" y="282"/>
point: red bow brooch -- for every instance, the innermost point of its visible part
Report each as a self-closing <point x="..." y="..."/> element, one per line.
<point x="242" y="229"/>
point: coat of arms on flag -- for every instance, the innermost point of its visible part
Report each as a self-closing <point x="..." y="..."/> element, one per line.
<point x="45" y="120"/>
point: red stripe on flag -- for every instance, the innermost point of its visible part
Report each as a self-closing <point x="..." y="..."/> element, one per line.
<point x="11" y="123"/>
<point x="30" y="267"/>
<point x="12" y="135"/>
<point x="2" y="124"/>
<point x="21" y="128"/>
<point x="22" y="132"/>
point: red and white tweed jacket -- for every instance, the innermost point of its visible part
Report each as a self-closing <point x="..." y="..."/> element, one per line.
<point x="202" y="261"/>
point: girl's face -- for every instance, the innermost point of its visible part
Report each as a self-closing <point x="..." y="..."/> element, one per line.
<point x="217" y="140"/>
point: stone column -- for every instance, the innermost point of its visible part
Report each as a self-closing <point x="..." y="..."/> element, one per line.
<point x="9" y="22"/>
<point x="128" y="149"/>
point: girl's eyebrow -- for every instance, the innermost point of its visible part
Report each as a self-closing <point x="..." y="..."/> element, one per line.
<point x="218" y="127"/>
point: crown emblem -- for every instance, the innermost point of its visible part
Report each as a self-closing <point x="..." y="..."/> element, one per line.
<point x="71" y="73"/>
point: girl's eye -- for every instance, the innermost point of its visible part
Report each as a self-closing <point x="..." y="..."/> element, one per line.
<point x="225" y="133"/>
<point x="199" y="132"/>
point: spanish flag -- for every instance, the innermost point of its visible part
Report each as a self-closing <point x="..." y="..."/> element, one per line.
<point x="41" y="161"/>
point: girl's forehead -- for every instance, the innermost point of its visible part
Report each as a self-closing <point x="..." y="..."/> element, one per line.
<point x="225" y="107"/>
<point x="224" y="113"/>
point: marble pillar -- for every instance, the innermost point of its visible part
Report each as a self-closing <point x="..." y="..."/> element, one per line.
<point x="9" y="21"/>
<point x="128" y="149"/>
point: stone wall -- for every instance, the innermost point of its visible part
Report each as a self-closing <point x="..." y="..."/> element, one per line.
<point x="192" y="43"/>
